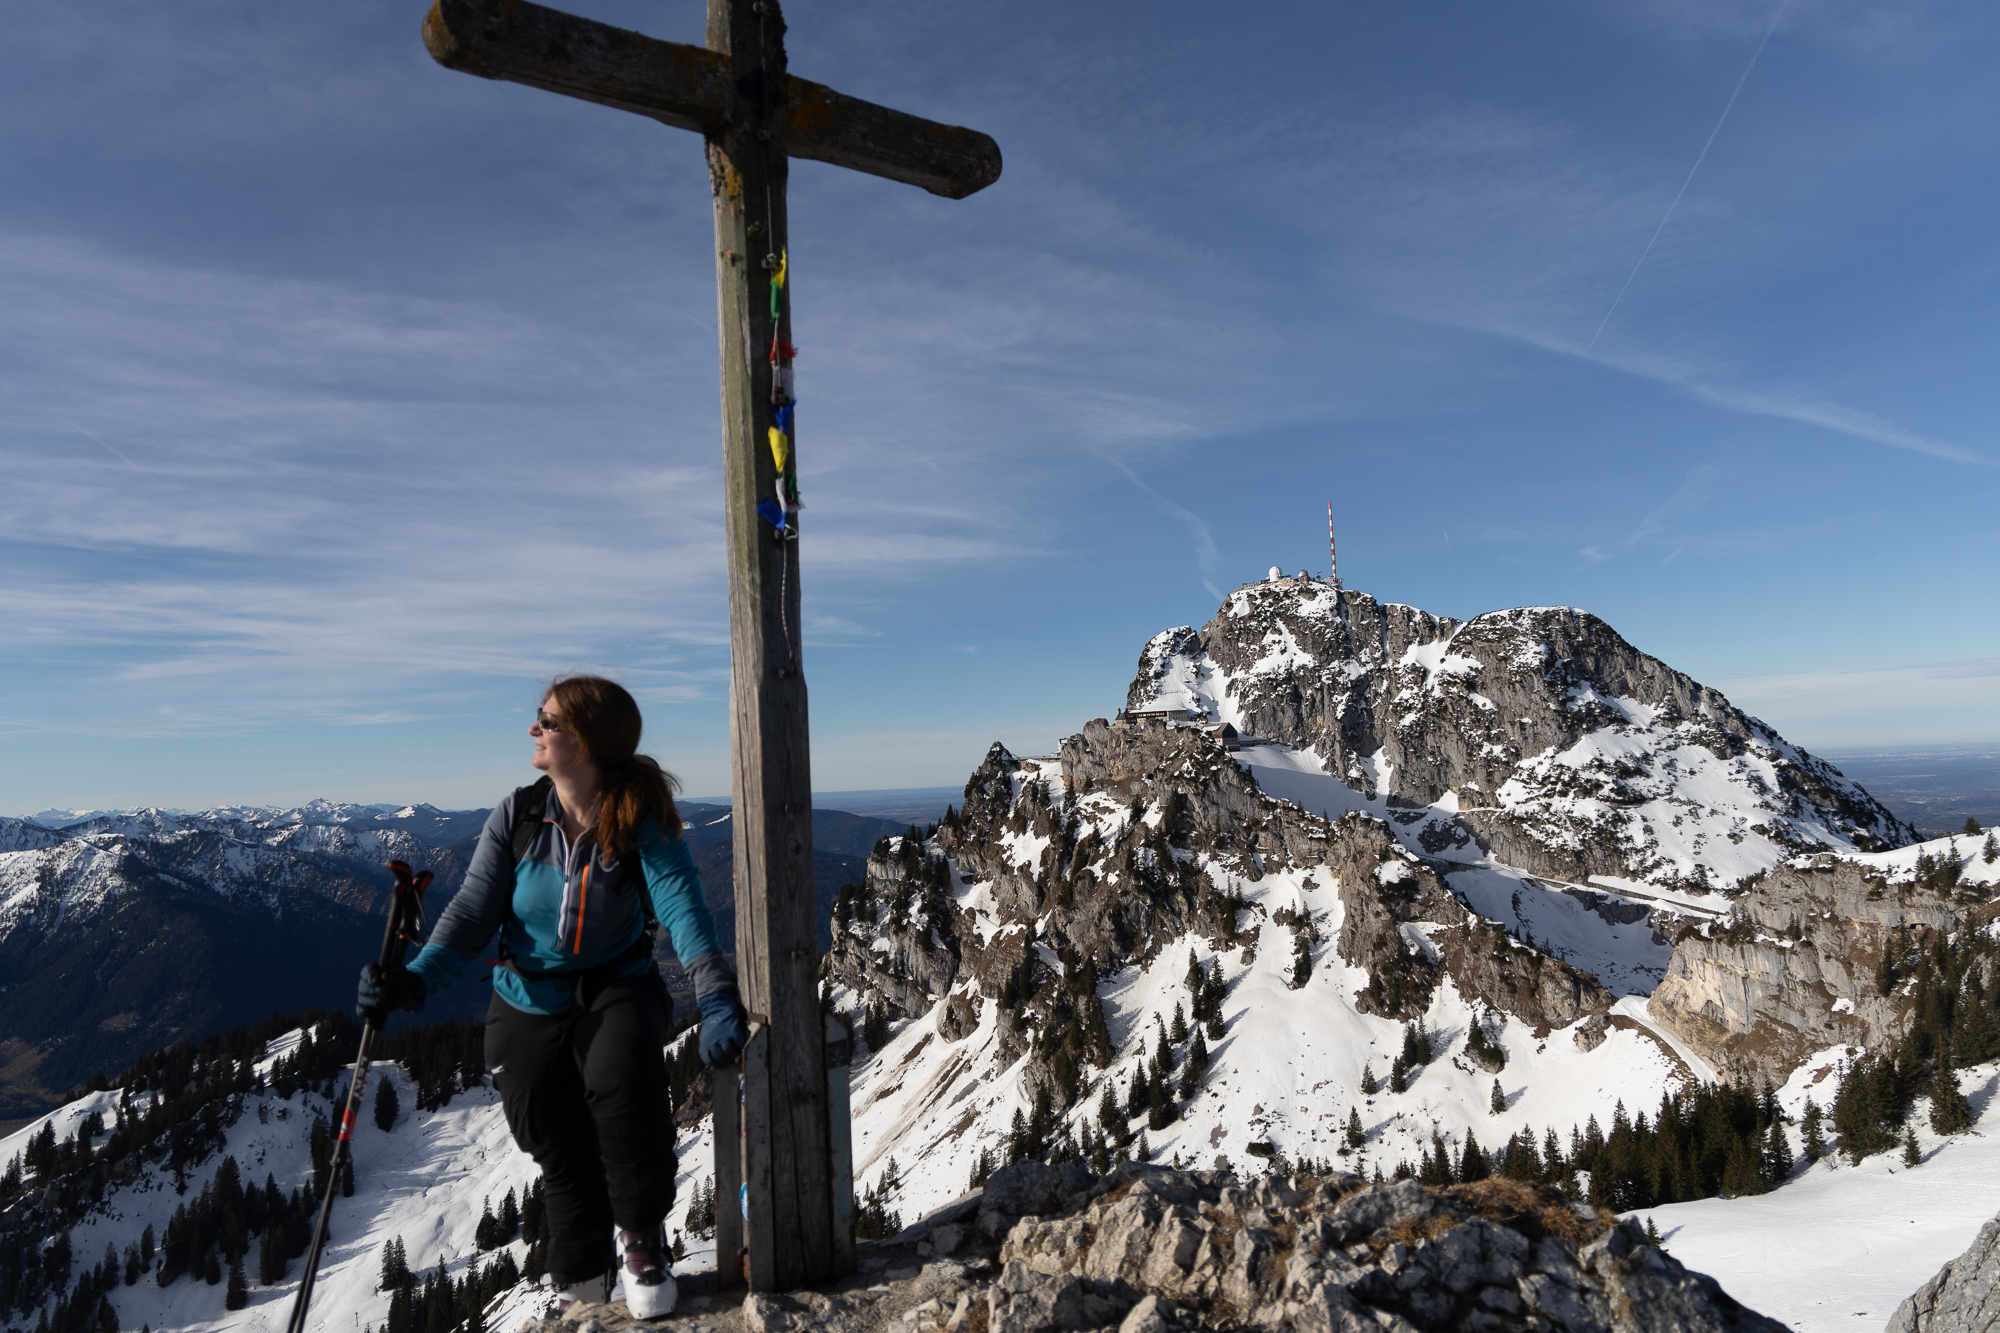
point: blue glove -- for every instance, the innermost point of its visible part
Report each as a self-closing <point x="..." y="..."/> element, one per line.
<point x="722" y="1027"/>
<point x="380" y="992"/>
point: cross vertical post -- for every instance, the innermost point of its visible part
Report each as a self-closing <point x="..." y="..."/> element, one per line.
<point x="786" y="1171"/>
<point x="782" y="1151"/>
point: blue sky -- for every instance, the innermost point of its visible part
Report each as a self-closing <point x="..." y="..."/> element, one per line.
<point x="344" y="398"/>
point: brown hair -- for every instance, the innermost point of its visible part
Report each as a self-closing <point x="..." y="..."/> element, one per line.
<point x="605" y="721"/>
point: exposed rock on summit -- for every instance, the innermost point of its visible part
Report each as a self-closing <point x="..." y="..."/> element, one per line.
<point x="1569" y="752"/>
<point x="1152" y="1250"/>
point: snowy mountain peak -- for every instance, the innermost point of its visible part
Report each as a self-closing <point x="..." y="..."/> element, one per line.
<point x="1565" y="750"/>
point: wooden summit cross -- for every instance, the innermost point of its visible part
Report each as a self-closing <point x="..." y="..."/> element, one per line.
<point x="736" y="94"/>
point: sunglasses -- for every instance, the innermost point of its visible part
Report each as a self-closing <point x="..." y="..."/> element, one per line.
<point x="547" y="721"/>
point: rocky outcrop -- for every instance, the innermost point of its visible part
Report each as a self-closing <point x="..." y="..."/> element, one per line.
<point x="1794" y="968"/>
<point x="1102" y="894"/>
<point x="1544" y="992"/>
<point x="1964" y="1296"/>
<point x="1147" y="1249"/>
<point x="1568" y="752"/>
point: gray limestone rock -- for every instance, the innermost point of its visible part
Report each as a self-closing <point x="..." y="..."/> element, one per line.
<point x="1963" y="1296"/>
<point x="1026" y="1301"/>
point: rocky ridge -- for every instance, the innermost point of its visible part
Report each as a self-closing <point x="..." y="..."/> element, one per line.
<point x="1148" y="1249"/>
<point x="1794" y="968"/>
<point x="1564" y="749"/>
<point x="1136" y="837"/>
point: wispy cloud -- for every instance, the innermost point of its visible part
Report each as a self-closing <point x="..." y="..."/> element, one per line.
<point x="1702" y="483"/>
<point x="1206" y="556"/>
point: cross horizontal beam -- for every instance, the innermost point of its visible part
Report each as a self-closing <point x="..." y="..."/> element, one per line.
<point x="688" y="87"/>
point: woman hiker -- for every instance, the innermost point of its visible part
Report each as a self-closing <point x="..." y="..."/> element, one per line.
<point x="566" y="872"/>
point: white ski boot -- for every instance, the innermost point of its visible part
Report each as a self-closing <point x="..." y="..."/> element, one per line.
<point x="649" y="1278"/>
<point x="590" y="1291"/>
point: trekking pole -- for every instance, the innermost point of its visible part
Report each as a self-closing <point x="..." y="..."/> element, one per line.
<point x="406" y="920"/>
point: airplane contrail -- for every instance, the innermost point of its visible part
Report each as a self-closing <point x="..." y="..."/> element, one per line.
<point x="1691" y="170"/>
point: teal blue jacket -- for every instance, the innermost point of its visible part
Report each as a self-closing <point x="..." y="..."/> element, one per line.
<point x="559" y="915"/>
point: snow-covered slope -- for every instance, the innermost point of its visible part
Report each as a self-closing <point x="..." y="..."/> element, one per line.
<point x="426" y="1182"/>
<point x="1148" y="855"/>
<point x="1564" y="749"/>
<point x="1838" y="1248"/>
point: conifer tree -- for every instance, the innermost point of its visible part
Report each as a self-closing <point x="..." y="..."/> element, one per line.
<point x="1497" y="1103"/>
<point x="1815" y="1138"/>
<point x="1992" y="850"/>
<point x="1912" y="1156"/>
<point x="532" y="1212"/>
<point x="1356" y="1136"/>
<point x="1740" y="1174"/>
<point x="1951" y="1113"/>
<point x="1472" y="1163"/>
<point x="1096" y="1033"/>
<point x="1369" y="1087"/>
<point x="1436" y="1168"/>
<point x="1777" y="1162"/>
<point x="1972" y="829"/>
<point x="484" y="1232"/>
<point x="1177" y="1032"/>
<point x="1197" y="1065"/>
<point x="387" y="1105"/>
<point x="1107" y="1112"/>
<point x="270" y="1256"/>
<point x="238" y="1294"/>
<point x="1159" y="1107"/>
<point x="1399" y="1075"/>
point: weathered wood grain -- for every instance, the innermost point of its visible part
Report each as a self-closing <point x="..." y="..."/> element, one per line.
<point x="728" y="1104"/>
<point x="787" y="1144"/>
<point x="688" y="87"/>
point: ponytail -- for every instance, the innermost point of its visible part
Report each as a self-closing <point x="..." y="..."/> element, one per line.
<point x="626" y="796"/>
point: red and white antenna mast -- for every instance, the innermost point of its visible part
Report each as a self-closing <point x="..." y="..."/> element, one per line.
<point x="1332" y="563"/>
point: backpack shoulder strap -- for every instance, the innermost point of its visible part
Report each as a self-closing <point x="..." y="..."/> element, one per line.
<point x="530" y="804"/>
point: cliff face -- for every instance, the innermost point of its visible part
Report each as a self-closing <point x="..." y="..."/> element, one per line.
<point x="1566" y="750"/>
<point x="1793" y="970"/>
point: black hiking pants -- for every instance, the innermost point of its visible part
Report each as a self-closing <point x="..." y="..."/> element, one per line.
<point x="586" y="1096"/>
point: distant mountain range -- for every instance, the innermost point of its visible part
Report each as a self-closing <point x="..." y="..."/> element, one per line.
<point x="124" y="931"/>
